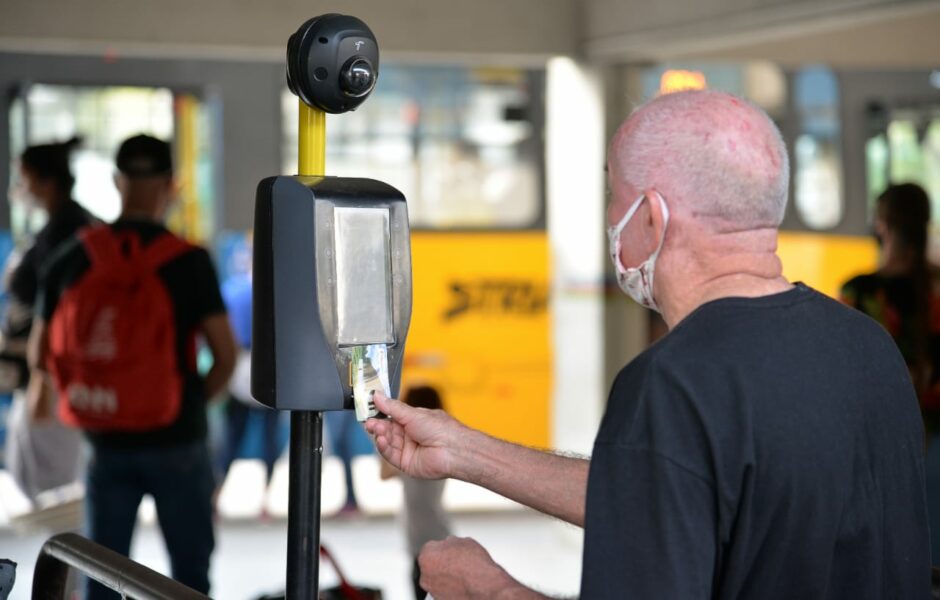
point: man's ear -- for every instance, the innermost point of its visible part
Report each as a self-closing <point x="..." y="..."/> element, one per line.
<point x="657" y="217"/>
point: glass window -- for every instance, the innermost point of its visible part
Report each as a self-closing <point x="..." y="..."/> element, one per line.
<point x="907" y="149"/>
<point x="931" y="153"/>
<point x="817" y="169"/>
<point x="462" y="144"/>
<point x="876" y="166"/>
<point x="103" y="117"/>
<point x="906" y="158"/>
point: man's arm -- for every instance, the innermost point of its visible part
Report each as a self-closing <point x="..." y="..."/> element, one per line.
<point x="218" y="333"/>
<point x="38" y="346"/>
<point x="432" y="445"/>
<point x="36" y="351"/>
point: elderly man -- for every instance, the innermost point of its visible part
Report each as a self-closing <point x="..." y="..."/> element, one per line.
<point x="768" y="447"/>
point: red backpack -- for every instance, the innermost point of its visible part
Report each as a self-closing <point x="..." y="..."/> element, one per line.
<point x="112" y="337"/>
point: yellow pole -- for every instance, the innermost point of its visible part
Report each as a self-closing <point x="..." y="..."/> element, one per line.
<point x="311" y="138"/>
<point x="186" y="220"/>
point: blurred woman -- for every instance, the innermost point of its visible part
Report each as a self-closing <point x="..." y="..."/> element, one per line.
<point x="40" y="455"/>
<point x="904" y="296"/>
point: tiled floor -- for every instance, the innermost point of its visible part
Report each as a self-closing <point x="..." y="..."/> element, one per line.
<point x="250" y="555"/>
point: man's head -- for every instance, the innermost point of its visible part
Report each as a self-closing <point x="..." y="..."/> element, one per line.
<point x="708" y="153"/>
<point x="714" y="171"/>
<point x="145" y="177"/>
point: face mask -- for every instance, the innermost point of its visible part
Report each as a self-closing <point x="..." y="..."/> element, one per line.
<point x="636" y="282"/>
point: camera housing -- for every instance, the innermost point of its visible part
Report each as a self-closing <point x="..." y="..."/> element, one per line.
<point x="333" y="63"/>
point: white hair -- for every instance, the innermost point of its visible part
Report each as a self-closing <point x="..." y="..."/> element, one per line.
<point x="714" y="153"/>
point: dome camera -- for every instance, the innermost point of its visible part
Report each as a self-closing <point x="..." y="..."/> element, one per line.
<point x="357" y="78"/>
<point x="333" y="63"/>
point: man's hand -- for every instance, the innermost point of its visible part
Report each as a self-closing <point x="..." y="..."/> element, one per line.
<point x="429" y="444"/>
<point x="462" y="568"/>
<point x="421" y="443"/>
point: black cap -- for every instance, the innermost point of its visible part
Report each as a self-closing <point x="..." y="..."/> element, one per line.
<point x="144" y="156"/>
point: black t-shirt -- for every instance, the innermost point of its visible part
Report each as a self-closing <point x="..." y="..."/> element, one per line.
<point x="61" y="226"/>
<point x="193" y="287"/>
<point x="766" y="448"/>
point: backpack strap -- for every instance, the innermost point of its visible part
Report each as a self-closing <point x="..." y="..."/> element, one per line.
<point x="100" y="243"/>
<point x="104" y="245"/>
<point x="164" y="249"/>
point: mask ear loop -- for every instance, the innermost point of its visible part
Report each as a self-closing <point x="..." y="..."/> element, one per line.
<point x="662" y="240"/>
<point x="614" y="233"/>
<point x="630" y="212"/>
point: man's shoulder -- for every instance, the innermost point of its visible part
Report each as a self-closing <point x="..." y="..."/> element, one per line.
<point x="191" y="252"/>
<point x="739" y="335"/>
<point x="801" y="309"/>
<point x="191" y="263"/>
<point x="66" y="257"/>
<point x="186" y="255"/>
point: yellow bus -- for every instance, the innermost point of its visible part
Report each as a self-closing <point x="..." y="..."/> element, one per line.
<point x="464" y="144"/>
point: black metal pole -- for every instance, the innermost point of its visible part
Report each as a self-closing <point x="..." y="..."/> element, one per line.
<point x="303" y="505"/>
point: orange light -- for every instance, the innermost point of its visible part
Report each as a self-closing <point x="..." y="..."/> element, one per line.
<point x="676" y="80"/>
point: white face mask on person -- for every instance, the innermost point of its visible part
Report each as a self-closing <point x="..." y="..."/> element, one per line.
<point x="636" y="282"/>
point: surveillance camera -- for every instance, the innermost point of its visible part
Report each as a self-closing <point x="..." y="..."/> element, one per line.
<point x="333" y="62"/>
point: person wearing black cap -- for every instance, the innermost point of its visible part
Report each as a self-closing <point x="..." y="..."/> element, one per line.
<point x="40" y="456"/>
<point x="168" y="460"/>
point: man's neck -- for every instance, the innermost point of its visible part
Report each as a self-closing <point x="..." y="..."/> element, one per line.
<point x="743" y="264"/>
<point x="138" y="215"/>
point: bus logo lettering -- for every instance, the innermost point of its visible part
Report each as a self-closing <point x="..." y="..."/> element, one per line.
<point x="496" y="297"/>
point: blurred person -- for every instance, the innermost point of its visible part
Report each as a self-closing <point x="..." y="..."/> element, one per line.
<point x="767" y="447"/>
<point x="236" y="291"/>
<point x="904" y="297"/>
<point x="347" y="441"/>
<point x="170" y="463"/>
<point x="40" y="456"/>
<point x="424" y="516"/>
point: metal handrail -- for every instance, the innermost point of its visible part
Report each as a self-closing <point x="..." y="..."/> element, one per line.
<point x="121" y="574"/>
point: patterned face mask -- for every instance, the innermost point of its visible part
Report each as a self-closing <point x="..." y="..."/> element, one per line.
<point x="636" y="282"/>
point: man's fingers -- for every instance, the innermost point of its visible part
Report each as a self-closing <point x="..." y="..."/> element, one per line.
<point x="377" y="426"/>
<point x="425" y="555"/>
<point x="390" y="442"/>
<point x="399" y="411"/>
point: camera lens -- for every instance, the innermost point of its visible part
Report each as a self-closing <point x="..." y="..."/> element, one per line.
<point x="357" y="77"/>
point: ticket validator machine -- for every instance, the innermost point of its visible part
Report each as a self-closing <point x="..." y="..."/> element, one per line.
<point x="332" y="275"/>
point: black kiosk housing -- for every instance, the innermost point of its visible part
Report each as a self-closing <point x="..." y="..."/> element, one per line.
<point x="300" y="349"/>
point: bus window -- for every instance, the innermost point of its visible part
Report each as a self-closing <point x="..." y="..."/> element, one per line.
<point x="463" y="144"/>
<point x="104" y="117"/>
<point x="932" y="165"/>
<point x="908" y="150"/>
<point x="876" y="165"/>
<point x="817" y="156"/>
<point x="905" y="158"/>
